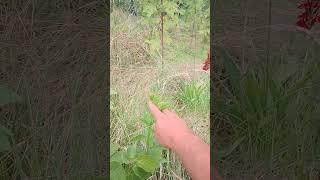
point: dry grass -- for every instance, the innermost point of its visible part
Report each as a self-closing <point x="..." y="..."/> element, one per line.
<point x="51" y="55"/>
<point x="127" y="43"/>
<point x="133" y="86"/>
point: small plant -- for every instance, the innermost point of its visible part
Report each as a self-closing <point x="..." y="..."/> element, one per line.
<point x="138" y="160"/>
<point x="159" y="102"/>
<point x="194" y="96"/>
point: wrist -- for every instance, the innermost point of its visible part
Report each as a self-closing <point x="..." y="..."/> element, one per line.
<point x="181" y="140"/>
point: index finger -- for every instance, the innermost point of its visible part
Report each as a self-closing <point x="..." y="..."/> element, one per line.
<point x="154" y="110"/>
<point x="171" y="114"/>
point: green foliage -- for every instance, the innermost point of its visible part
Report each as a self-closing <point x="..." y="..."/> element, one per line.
<point x="117" y="171"/>
<point x="185" y="13"/>
<point x="271" y="120"/>
<point x="129" y="6"/>
<point x="140" y="159"/>
<point x="159" y="101"/>
<point x="197" y="14"/>
<point x="195" y="96"/>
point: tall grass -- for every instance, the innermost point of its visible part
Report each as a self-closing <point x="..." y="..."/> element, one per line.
<point x="269" y="124"/>
<point x="59" y="128"/>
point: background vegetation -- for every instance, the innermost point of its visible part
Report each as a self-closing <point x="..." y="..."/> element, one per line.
<point x="52" y="90"/>
<point x="138" y="70"/>
<point x="266" y="88"/>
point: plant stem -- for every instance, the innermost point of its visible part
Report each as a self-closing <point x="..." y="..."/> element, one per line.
<point x="162" y="35"/>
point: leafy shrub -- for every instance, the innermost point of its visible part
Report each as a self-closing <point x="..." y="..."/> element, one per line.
<point x="138" y="160"/>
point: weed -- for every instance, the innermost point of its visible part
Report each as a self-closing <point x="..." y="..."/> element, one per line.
<point x="158" y="101"/>
<point x="140" y="159"/>
<point x="194" y="96"/>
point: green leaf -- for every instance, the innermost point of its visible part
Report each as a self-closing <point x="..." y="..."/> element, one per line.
<point x="156" y="153"/>
<point x="113" y="148"/>
<point x="131" y="151"/>
<point x="150" y="138"/>
<point x="133" y="176"/>
<point x="142" y="174"/>
<point x="8" y="96"/>
<point x="156" y="99"/>
<point x="147" y="119"/>
<point x="117" y="172"/>
<point x="120" y="157"/>
<point x="147" y="162"/>
<point x="149" y="10"/>
<point x="170" y="7"/>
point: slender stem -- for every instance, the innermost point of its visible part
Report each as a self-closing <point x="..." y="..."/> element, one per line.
<point x="162" y="34"/>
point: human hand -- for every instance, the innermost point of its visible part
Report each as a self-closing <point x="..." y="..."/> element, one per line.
<point x="169" y="128"/>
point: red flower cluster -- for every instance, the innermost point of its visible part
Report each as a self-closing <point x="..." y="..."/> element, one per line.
<point x="311" y="15"/>
<point x="206" y="63"/>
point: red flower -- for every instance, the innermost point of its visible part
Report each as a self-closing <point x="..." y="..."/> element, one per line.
<point x="206" y="63"/>
<point x="311" y="14"/>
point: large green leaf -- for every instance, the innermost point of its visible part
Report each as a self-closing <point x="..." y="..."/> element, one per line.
<point x="120" y="157"/>
<point x="147" y="162"/>
<point x="133" y="176"/>
<point x="142" y="174"/>
<point x="8" y="96"/>
<point x="156" y="153"/>
<point x="117" y="172"/>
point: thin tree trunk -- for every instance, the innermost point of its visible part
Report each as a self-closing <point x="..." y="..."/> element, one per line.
<point x="162" y="35"/>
